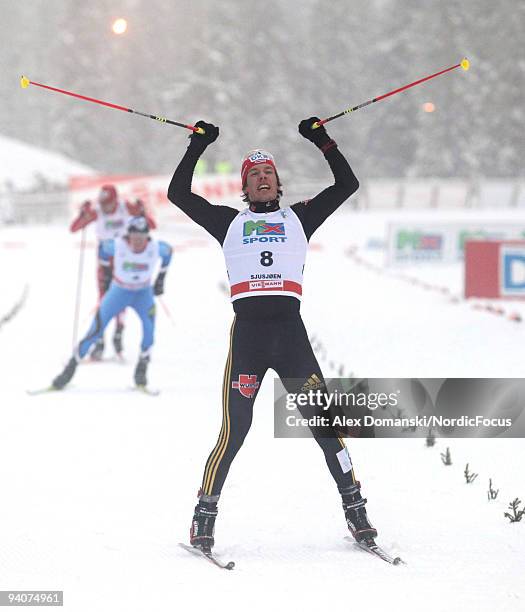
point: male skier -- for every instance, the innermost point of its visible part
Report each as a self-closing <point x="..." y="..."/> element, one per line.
<point x="265" y="248"/>
<point x="110" y="215"/>
<point x="128" y="265"/>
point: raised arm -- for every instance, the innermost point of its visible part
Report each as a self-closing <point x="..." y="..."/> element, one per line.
<point x="85" y="216"/>
<point x="315" y="211"/>
<point x="214" y="219"/>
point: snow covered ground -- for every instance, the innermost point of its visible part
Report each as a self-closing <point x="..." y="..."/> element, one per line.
<point x="99" y="483"/>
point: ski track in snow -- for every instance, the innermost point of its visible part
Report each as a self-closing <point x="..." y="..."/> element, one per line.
<point x="99" y="484"/>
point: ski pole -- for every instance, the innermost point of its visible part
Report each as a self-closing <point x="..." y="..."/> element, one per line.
<point x="167" y="311"/>
<point x="464" y="63"/>
<point x="79" y="286"/>
<point x="25" y="82"/>
<point x="14" y="310"/>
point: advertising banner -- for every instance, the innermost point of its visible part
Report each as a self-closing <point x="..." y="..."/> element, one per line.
<point x="418" y="242"/>
<point x="495" y="269"/>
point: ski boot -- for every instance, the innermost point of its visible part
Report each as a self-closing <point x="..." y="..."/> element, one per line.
<point x="69" y="371"/>
<point x="98" y="349"/>
<point x="355" y="514"/>
<point x="140" y="371"/>
<point x="117" y="339"/>
<point x="203" y="523"/>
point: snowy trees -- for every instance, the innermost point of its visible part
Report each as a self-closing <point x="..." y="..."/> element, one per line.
<point x="256" y="69"/>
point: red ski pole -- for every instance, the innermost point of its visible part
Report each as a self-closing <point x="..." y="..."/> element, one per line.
<point x="25" y="82"/>
<point x="464" y="63"/>
<point x="80" y="274"/>
<point x="167" y="311"/>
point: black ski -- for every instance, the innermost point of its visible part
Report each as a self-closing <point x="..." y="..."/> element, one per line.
<point x="146" y="390"/>
<point x="208" y="555"/>
<point x="139" y="389"/>
<point x="371" y="547"/>
<point x="41" y="391"/>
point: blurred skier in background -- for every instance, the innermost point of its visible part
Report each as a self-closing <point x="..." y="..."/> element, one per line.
<point x="111" y="215"/>
<point x="128" y="265"/>
<point x="265" y="249"/>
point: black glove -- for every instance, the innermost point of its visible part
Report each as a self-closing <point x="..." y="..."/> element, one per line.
<point x="318" y="136"/>
<point x="107" y="276"/>
<point x="211" y="133"/>
<point x="158" y="287"/>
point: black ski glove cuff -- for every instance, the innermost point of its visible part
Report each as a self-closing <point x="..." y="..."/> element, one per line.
<point x="107" y="277"/>
<point x="318" y="135"/>
<point x="158" y="287"/>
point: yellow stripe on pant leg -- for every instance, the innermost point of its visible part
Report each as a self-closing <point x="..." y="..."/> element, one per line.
<point x="218" y="445"/>
<point x="214" y="465"/>
<point x="226" y="399"/>
<point x="221" y="434"/>
<point x="218" y="451"/>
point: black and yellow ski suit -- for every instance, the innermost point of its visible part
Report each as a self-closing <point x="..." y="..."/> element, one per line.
<point x="286" y="348"/>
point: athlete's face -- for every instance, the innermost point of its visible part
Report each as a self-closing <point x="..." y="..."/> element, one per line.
<point x="261" y="183"/>
<point x="107" y="198"/>
<point x="108" y="207"/>
<point x="137" y="241"/>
